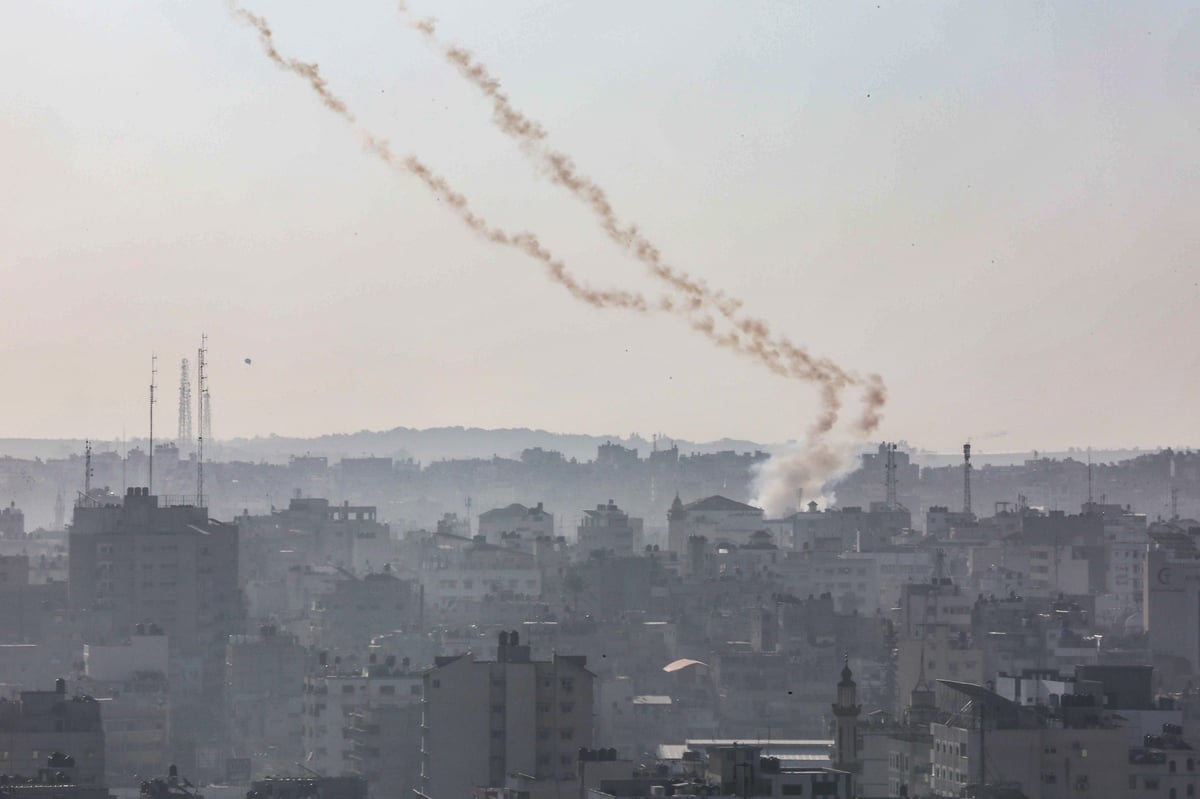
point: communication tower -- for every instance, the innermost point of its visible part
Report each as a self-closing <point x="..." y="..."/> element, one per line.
<point x="153" y="382"/>
<point x="201" y="398"/>
<point x="890" y="476"/>
<point x="967" y="478"/>
<point x="184" y="437"/>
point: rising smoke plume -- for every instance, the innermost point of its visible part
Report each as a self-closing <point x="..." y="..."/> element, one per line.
<point x="777" y="352"/>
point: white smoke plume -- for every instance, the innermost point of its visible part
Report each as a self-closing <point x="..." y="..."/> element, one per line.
<point x="799" y="472"/>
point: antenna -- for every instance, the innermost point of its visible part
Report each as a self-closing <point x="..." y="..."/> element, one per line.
<point x="202" y="399"/>
<point x="87" y="468"/>
<point x="967" y="478"/>
<point x="890" y="476"/>
<point x="206" y="421"/>
<point x="153" y="381"/>
<point x="184" y="437"/>
<point x="1089" y="476"/>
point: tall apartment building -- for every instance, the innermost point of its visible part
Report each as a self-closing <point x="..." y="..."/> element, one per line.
<point x="264" y="686"/>
<point x="485" y="720"/>
<point x="40" y="723"/>
<point x="332" y="699"/>
<point x="139" y="562"/>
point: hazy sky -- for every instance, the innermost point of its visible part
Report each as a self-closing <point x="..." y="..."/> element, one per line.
<point x="991" y="204"/>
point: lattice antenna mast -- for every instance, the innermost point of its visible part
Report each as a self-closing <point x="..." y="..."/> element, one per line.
<point x="890" y="477"/>
<point x="153" y="385"/>
<point x="967" y="478"/>
<point x="184" y="438"/>
<point x="1089" y="478"/>
<point x="201" y="397"/>
<point x="87" y="468"/>
<point x="207" y="420"/>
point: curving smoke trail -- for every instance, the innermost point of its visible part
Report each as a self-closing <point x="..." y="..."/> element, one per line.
<point x="777" y="352"/>
<point x="802" y="467"/>
<point x="525" y="242"/>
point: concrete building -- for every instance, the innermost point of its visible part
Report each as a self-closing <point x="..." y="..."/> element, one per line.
<point x="140" y="563"/>
<point x="741" y="770"/>
<point x="12" y="522"/>
<point x="39" y="723"/>
<point x="716" y="518"/>
<point x="264" y="690"/>
<point x="457" y="570"/>
<point x="329" y="700"/>
<point x="608" y="531"/>
<point x="56" y="779"/>
<point x="360" y="608"/>
<point x="136" y="715"/>
<point x="485" y="720"/>
<point x="516" y="526"/>
<point x="1171" y="606"/>
<point x="14" y="571"/>
<point x="144" y="651"/>
<point x="848" y="528"/>
<point x="385" y="748"/>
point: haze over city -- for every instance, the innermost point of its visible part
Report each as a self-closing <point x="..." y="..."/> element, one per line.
<point x="989" y="207"/>
<point x="533" y="400"/>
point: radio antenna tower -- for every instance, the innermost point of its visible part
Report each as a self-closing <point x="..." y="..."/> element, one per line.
<point x="890" y="477"/>
<point x="153" y="382"/>
<point x="201" y="398"/>
<point x="967" y="478"/>
<point x="206" y="422"/>
<point x="87" y="469"/>
<point x="184" y="437"/>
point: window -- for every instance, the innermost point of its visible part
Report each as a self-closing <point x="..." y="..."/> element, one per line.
<point x="387" y="690"/>
<point x="793" y="790"/>
<point x="347" y="689"/>
<point x="436" y="684"/>
<point x="568" y="684"/>
<point x="567" y="707"/>
<point x="566" y="733"/>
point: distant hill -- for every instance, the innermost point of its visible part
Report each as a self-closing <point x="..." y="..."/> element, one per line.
<point x="401" y="442"/>
<point x="454" y="442"/>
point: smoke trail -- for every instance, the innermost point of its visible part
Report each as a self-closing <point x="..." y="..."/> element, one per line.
<point x="875" y="396"/>
<point x="525" y="242"/>
<point x="778" y="353"/>
<point x="802" y="467"/>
